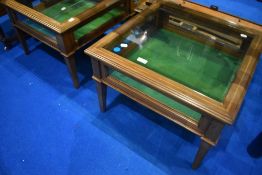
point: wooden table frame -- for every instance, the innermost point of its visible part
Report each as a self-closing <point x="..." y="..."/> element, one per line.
<point x="65" y="42"/>
<point x="214" y="114"/>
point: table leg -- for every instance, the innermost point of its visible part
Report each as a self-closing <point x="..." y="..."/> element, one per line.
<point x="7" y="41"/>
<point x="3" y="39"/>
<point x="22" y="40"/>
<point x="70" y="61"/>
<point x="211" y="130"/>
<point x="202" y="151"/>
<point x="102" y="91"/>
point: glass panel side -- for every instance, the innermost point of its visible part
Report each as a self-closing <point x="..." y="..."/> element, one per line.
<point x="203" y="58"/>
<point x="36" y="26"/>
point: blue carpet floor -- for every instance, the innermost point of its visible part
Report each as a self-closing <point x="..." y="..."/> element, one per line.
<point x="49" y="128"/>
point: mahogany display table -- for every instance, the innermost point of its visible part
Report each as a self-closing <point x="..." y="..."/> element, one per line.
<point x="188" y="63"/>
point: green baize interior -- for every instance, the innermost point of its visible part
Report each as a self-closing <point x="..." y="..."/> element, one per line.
<point x="71" y="9"/>
<point x="65" y="9"/>
<point x="191" y="63"/>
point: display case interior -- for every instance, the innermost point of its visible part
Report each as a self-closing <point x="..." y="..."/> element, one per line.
<point x="200" y="54"/>
<point x="185" y="48"/>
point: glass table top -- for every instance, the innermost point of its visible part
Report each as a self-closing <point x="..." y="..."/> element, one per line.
<point x="201" y="59"/>
<point x="61" y="10"/>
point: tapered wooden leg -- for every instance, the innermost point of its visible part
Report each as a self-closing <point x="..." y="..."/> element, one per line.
<point x="7" y="41"/>
<point x="101" y="90"/>
<point x="3" y="39"/>
<point x="202" y="151"/>
<point x="211" y="130"/>
<point x="21" y="38"/>
<point x="70" y="61"/>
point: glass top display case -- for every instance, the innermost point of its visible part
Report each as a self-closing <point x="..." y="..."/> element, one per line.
<point x="187" y="62"/>
<point x="66" y="25"/>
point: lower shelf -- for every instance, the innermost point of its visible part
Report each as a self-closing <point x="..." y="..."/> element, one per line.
<point x="193" y="115"/>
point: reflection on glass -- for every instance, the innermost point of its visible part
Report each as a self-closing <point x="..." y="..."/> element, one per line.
<point x="198" y="56"/>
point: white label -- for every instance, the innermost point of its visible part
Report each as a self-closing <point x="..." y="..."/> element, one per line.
<point x="142" y="60"/>
<point x="123" y="45"/>
<point x="213" y="37"/>
<point x="71" y="19"/>
<point x="232" y="22"/>
<point x="243" y="35"/>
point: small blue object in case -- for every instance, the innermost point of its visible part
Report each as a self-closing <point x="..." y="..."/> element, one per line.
<point x="117" y="49"/>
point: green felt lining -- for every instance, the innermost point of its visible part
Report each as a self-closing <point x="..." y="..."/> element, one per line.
<point x="66" y="9"/>
<point x="156" y="95"/>
<point x="96" y="23"/>
<point x="194" y="64"/>
<point x="85" y="29"/>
